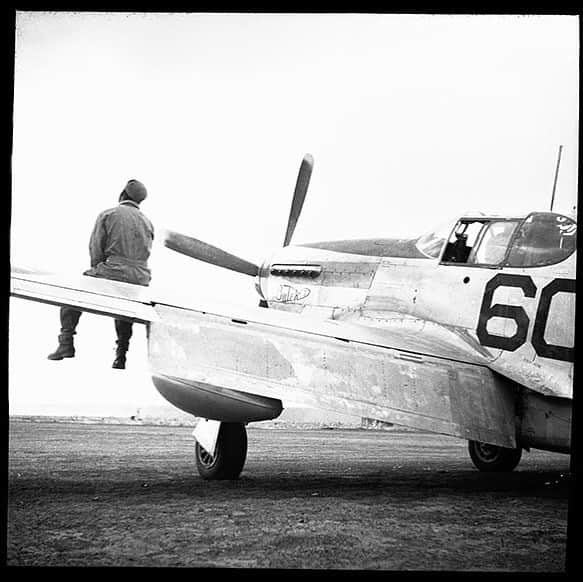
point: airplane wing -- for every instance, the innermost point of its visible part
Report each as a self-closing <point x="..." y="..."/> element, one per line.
<point x="246" y="364"/>
<point x="204" y="362"/>
<point x="100" y="296"/>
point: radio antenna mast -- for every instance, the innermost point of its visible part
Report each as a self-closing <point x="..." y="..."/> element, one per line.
<point x="556" y="176"/>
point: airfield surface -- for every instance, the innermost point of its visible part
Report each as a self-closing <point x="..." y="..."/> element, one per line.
<point x="114" y="495"/>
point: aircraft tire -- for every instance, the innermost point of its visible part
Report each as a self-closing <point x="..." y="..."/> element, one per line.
<point x="491" y="458"/>
<point x="230" y="453"/>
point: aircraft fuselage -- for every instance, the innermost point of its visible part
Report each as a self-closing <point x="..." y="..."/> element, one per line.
<point x="518" y="313"/>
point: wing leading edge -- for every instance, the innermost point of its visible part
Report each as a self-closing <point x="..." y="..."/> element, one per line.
<point x="100" y="296"/>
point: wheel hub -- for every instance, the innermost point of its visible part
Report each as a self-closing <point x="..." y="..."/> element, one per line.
<point x="206" y="459"/>
<point x="487" y="453"/>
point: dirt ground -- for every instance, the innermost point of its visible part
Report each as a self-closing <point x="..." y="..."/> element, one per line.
<point x="110" y="495"/>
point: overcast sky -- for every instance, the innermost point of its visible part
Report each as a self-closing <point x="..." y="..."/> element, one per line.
<point x="410" y="119"/>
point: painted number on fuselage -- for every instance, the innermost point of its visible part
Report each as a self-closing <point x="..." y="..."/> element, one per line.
<point x="520" y="317"/>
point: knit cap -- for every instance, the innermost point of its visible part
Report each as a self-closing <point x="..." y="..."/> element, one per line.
<point x="136" y="191"/>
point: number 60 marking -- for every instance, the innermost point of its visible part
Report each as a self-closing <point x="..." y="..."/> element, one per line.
<point x="520" y="317"/>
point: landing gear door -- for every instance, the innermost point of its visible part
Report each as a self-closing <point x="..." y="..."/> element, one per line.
<point x="206" y="433"/>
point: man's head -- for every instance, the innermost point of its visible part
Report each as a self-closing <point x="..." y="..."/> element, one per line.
<point x="134" y="190"/>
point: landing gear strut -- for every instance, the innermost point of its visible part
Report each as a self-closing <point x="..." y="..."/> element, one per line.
<point x="492" y="458"/>
<point x="229" y="456"/>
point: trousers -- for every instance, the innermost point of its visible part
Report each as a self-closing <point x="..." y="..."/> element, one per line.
<point x="70" y="318"/>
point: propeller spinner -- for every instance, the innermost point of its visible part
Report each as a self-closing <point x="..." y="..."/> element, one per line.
<point x="202" y="251"/>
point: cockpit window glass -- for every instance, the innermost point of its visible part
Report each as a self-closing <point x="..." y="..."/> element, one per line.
<point x="431" y="243"/>
<point x="493" y="243"/>
<point x="543" y="239"/>
<point x="462" y="241"/>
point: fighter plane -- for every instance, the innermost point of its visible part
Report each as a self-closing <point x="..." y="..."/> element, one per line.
<point x="467" y="330"/>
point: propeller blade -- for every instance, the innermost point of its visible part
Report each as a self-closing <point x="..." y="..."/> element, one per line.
<point x="202" y="251"/>
<point x="299" y="196"/>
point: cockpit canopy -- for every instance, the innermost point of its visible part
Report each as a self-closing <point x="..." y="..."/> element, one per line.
<point x="540" y="239"/>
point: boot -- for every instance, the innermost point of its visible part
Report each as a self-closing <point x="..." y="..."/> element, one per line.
<point x="123" y="330"/>
<point x="120" y="358"/>
<point x="69" y="319"/>
<point x="66" y="348"/>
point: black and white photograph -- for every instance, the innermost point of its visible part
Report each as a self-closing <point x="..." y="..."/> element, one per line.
<point x="292" y="291"/>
